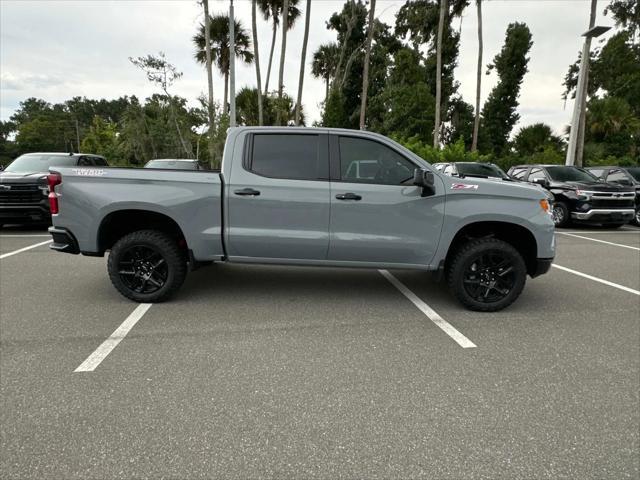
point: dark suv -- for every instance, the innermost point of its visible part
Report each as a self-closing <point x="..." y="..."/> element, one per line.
<point x="23" y="190"/>
<point x="579" y="196"/>
<point x="625" y="176"/>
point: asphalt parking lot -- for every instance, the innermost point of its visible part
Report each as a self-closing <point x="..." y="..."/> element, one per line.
<point x="270" y="372"/>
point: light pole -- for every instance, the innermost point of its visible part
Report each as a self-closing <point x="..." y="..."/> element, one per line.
<point x="232" y="68"/>
<point x="581" y="92"/>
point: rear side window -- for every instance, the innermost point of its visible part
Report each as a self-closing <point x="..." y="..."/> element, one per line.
<point x="617" y="176"/>
<point x="294" y="156"/>
<point x="366" y="161"/>
<point x="100" y="162"/>
<point x="518" y="173"/>
<point x="85" y="162"/>
<point x="536" y="173"/>
<point x="597" y="172"/>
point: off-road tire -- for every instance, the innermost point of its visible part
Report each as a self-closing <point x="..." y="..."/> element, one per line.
<point x="463" y="258"/>
<point x="169" y="250"/>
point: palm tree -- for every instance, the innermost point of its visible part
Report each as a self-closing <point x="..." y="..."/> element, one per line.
<point x="272" y="9"/>
<point x="365" y="73"/>
<point x="210" y="108"/>
<point x="436" y="130"/>
<point x="219" y="34"/>
<point x="324" y="64"/>
<point x="476" y="120"/>
<point x="256" y="51"/>
<point x="283" y="52"/>
<point x="302" y="61"/>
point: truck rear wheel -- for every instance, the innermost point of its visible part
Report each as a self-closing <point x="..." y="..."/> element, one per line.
<point x="486" y="274"/>
<point x="147" y="266"/>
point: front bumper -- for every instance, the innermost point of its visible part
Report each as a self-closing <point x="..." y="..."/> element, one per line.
<point x="63" y="241"/>
<point x="605" y="215"/>
<point x="543" y="265"/>
<point x="38" y="212"/>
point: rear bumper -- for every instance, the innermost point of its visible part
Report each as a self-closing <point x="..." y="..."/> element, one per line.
<point x="605" y="215"/>
<point x="63" y="241"/>
<point x="543" y="265"/>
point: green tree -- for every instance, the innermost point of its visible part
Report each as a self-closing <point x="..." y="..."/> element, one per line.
<point x="535" y="139"/>
<point x="499" y="112"/>
<point x="246" y="101"/>
<point x="101" y="139"/>
<point x="220" y="47"/>
<point x="324" y="63"/>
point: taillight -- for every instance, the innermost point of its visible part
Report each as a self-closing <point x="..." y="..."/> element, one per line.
<point x="53" y="179"/>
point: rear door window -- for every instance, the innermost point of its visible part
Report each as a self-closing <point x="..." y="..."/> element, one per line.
<point x="536" y="173"/>
<point x="291" y="156"/>
<point x="519" y="173"/>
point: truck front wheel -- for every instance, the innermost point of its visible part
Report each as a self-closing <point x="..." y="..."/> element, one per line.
<point x="486" y="274"/>
<point x="147" y="266"/>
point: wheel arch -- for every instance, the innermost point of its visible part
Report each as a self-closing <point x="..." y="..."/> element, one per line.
<point x="521" y="238"/>
<point x="119" y="223"/>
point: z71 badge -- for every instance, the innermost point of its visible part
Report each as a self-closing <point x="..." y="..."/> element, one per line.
<point x="464" y="186"/>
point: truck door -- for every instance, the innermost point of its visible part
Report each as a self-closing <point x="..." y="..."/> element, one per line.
<point x="278" y="199"/>
<point x="377" y="214"/>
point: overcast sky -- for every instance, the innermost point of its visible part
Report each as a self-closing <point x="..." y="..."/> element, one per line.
<point x="59" y="49"/>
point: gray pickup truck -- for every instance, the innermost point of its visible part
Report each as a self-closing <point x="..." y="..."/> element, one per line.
<point x="305" y="196"/>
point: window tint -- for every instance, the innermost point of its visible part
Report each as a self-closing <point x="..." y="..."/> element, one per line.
<point x="597" y="172"/>
<point x="85" y="162"/>
<point x="617" y="176"/>
<point x="535" y="174"/>
<point x="289" y="156"/>
<point x="518" y="173"/>
<point x="99" y="161"/>
<point x="366" y="161"/>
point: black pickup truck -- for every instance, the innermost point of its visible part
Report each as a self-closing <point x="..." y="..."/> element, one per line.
<point x="579" y="196"/>
<point x="23" y="189"/>
<point x="625" y="176"/>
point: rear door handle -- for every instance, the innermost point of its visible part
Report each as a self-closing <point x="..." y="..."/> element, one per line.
<point x="348" y="196"/>
<point x="247" y="192"/>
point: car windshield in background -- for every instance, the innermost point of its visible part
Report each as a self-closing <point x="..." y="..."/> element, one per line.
<point x="480" y="169"/>
<point x="172" y="164"/>
<point x="570" y="174"/>
<point x="634" y="172"/>
<point x="40" y="163"/>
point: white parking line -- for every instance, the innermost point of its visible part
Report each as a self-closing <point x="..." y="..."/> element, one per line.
<point x="100" y="353"/>
<point x="24" y="236"/>
<point x="605" y="232"/>
<point x="600" y="241"/>
<point x="463" y="341"/>
<point x="596" y="279"/>
<point x="5" y="255"/>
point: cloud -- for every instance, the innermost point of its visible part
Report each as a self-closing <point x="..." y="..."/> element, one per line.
<point x="29" y="82"/>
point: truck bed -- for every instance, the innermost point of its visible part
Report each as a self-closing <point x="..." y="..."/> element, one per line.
<point x="89" y="197"/>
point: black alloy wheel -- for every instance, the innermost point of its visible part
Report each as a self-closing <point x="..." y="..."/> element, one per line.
<point x="143" y="269"/>
<point x="489" y="277"/>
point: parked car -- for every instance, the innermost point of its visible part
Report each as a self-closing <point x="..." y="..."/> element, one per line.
<point x="626" y="176"/>
<point x="290" y="196"/>
<point x="579" y="196"/>
<point x="174" y="164"/>
<point x="482" y="170"/>
<point x="23" y="189"/>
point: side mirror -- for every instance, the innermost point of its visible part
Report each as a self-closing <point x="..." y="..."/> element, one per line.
<point x="542" y="181"/>
<point x="425" y="179"/>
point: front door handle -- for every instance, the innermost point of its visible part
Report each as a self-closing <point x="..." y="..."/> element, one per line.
<point x="348" y="196"/>
<point x="247" y="192"/>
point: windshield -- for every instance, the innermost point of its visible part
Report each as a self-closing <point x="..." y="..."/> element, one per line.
<point x="40" y="163"/>
<point x="635" y="172"/>
<point x="570" y="174"/>
<point x="484" y="169"/>
<point x="173" y="164"/>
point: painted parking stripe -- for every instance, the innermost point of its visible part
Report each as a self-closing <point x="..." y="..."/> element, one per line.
<point x="604" y="232"/>
<point x="15" y="252"/>
<point x="446" y="327"/>
<point x="600" y="241"/>
<point x="25" y="236"/>
<point x="100" y="353"/>
<point x="596" y="279"/>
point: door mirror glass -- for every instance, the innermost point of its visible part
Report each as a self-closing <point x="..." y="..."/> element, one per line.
<point x="425" y="179"/>
<point x="541" y="181"/>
